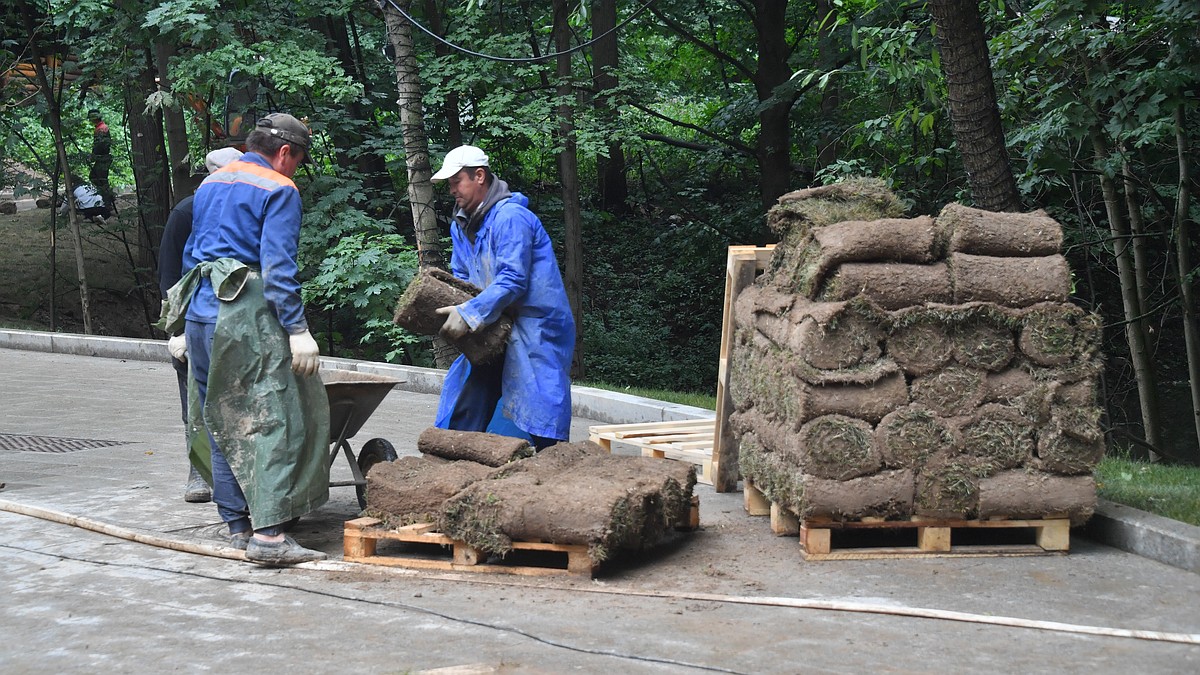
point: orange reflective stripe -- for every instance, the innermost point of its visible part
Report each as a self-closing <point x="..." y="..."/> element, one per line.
<point x="265" y="177"/>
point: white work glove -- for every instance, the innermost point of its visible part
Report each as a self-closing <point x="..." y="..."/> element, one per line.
<point x="177" y="345"/>
<point x="455" y="327"/>
<point x="306" y="356"/>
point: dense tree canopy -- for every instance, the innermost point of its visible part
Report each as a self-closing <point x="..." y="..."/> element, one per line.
<point x="685" y="123"/>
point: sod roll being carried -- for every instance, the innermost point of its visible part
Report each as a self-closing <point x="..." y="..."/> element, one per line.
<point x="433" y="288"/>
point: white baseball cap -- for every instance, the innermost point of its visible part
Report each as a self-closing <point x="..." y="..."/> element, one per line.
<point x="220" y="157"/>
<point x="459" y="159"/>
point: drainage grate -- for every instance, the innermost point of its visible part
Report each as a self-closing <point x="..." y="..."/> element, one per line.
<point x="19" y="443"/>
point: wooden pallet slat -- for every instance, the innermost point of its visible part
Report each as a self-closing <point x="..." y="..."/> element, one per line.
<point x="684" y="440"/>
<point x="361" y="538"/>
<point x="934" y="537"/>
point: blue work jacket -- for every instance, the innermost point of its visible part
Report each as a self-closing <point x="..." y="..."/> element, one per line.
<point x="251" y="213"/>
<point x="512" y="260"/>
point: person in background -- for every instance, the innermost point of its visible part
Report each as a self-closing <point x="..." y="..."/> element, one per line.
<point x="501" y="247"/>
<point x="170" y="264"/>
<point x="88" y="201"/>
<point x="101" y="158"/>
<point x="253" y="360"/>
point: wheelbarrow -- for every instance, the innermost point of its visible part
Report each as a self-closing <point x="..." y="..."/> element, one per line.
<point x="353" y="397"/>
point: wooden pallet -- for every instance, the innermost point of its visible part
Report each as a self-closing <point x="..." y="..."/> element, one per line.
<point x="686" y="440"/>
<point x="934" y="537"/>
<point x="362" y="535"/>
<point x="427" y="549"/>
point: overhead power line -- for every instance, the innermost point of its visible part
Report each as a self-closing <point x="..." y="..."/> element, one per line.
<point x="507" y="59"/>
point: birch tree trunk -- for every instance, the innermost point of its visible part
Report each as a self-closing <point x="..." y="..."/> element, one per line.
<point x="1135" y="322"/>
<point x="1187" y="287"/>
<point x="56" y="130"/>
<point x="416" y="155"/>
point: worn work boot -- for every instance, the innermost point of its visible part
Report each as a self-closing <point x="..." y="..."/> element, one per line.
<point x="239" y="540"/>
<point x="286" y="552"/>
<point x="196" y="491"/>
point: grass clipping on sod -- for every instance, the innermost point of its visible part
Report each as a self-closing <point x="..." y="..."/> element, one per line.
<point x="573" y="493"/>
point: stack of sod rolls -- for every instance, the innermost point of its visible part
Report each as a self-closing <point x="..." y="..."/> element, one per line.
<point x="896" y="367"/>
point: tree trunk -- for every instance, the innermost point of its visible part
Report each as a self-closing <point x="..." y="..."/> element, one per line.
<point x="568" y="170"/>
<point x="150" y="164"/>
<point x="1183" y="249"/>
<point x="454" y="137"/>
<point x="55" y="112"/>
<point x="1135" y="330"/>
<point x="774" y="137"/>
<point x="610" y="171"/>
<point x="973" y="109"/>
<point x="416" y="155"/>
<point x="182" y="183"/>
<point x="831" y="99"/>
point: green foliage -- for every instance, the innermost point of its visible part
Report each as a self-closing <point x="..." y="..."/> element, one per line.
<point x="365" y="273"/>
<point x="1168" y="491"/>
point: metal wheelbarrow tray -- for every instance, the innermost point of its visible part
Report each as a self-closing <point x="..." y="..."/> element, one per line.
<point x="353" y="397"/>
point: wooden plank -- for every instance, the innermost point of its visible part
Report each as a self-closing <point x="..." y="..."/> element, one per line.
<point x="784" y="523"/>
<point x="624" y="430"/>
<point x="899" y="553"/>
<point x="755" y="502"/>
<point x="933" y="538"/>
<point x="741" y="267"/>
<point x="361" y="538"/>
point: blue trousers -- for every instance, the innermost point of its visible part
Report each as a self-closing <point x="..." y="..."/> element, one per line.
<point x="231" y="501"/>
<point x="476" y="405"/>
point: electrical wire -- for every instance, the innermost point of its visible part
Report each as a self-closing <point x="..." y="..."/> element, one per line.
<point x="391" y="604"/>
<point x="525" y="59"/>
<point x="791" y="603"/>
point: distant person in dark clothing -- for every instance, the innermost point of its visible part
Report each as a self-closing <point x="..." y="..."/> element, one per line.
<point x="101" y="157"/>
<point x="170" y="270"/>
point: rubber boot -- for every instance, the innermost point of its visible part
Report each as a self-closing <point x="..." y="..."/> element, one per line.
<point x="197" y="491"/>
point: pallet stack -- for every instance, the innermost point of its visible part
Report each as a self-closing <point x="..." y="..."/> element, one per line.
<point x="891" y="368"/>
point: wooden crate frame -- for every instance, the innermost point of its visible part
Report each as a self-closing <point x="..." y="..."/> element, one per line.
<point x="743" y="265"/>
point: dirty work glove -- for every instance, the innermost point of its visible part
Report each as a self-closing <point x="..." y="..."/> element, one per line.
<point x="455" y="327"/>
<point x="177" y="345"/>
<point x="305" y="353"/>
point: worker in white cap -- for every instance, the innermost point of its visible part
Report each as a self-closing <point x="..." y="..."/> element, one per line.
<point x="501" y="247"/>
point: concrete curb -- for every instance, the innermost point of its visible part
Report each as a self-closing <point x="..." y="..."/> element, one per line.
<point x="1145" y="534"/>
<point x="598" y="404"/>
<point x="1167" y="541"/>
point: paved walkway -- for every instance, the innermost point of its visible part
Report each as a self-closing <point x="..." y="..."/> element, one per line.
<point x="80" y="601"/>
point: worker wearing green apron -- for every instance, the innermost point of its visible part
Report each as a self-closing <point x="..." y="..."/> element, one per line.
<point x="253" y="361"/>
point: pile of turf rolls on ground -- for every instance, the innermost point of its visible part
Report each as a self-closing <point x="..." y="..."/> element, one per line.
<point x="892" y="367"/>
<point x="570" y="493"/>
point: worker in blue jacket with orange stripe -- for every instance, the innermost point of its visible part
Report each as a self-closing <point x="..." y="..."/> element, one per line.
<point x="253" y="360"/>
<point x="501" y="247"/>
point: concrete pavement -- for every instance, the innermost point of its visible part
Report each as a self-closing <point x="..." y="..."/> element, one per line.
<point x="79" y="601"/>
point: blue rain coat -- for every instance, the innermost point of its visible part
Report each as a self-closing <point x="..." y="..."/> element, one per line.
<point x="512" y="260"/>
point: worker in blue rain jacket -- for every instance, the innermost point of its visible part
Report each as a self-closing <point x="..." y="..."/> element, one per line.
<point x="501" y="247"/>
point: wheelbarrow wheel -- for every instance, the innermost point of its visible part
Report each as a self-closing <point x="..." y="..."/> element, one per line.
<point x="373" y="452"/>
